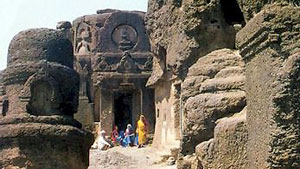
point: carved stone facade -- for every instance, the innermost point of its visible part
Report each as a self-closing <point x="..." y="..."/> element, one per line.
<point x="223" y="92"/>
<point x="114" y="61"/>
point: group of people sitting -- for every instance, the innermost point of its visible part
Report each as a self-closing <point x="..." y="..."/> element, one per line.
<point x="124" y="139"/>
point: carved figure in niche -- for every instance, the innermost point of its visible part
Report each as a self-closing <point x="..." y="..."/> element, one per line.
<point x="125" y="37"/>
<point x="83" y="74"/>
<point x="84" y="39"/>
<point x="127" y="64"/>
<point x="125" y="43"/>
<point x="149" y="63"/>
<point x="42" y="99"/>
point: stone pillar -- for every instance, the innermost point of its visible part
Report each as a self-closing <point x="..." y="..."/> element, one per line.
<point x="268" y="44"/>
<point x="85" y="113"/>
<point x="167" y="102"/>
<point x="97" y="103"/>
<point x="149" y="107"/>
<point x="42" y="88"/>
<point x="136" y="106"/>
<point x="106" y="110"/>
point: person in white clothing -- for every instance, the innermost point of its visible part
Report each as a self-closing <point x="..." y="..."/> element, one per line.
<point x="101" y="142"/>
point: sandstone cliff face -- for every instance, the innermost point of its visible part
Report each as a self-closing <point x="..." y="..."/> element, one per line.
<point x="270" y="46"/>
<point x="3" y="98"/>
<point x="228" y="147"/>
<point x="180" y="33"/>
<point x="193" y="43"/>
<point x="183" y="31"/>
<point x="214" y="88"/>
<point x="252" y="7"/>
<point x="214" y="114"/>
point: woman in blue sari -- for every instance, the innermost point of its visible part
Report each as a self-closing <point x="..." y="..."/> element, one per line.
<point x="128" y="137"/>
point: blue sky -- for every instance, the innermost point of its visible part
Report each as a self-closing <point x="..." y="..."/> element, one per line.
<point x="18" y="15"/>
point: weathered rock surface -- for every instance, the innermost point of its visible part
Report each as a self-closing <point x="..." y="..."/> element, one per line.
<point x="43" y="142"/>
<point x="3" y="97"/>
<point x="64" y="25"/>
<point x="40" y="44"/>
<point x="251" y="7"/>
<point x="37" y="129"/>
<point x="269" y="44"/>
<point x="128" y="158"/>
<point x="228" y="147"/>
<point x="183" y="31"/>
<point x="189" y="162"/>
<point x="214" y="88"/>
<point x="32" y="54"/>
<point x="180" y="33"/>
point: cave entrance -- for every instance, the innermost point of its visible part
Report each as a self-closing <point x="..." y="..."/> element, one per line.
<point x="122" y="109"/>
<point x="232" y="12"/>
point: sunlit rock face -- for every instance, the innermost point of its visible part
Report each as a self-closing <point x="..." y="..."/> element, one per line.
<point x="213" y="89"/>
<point x="41" y="94"/>
<point x="268" y="44"/>
<point x="181" y="34"/>
<point x="183" y="31"/>
<point x="206" y="87"/>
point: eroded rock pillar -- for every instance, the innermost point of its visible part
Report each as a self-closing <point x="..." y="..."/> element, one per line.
<point x="106" y="110"/>
<point x="268" y="44"/>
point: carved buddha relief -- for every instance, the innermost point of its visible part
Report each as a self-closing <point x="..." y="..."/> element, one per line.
<point x="84" y="39"/>
<point x="125" y="37"/>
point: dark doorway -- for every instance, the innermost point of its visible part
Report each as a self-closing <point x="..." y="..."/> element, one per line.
<point x="232" y="12"/>
<point x="5" y="107"/>
<point x="122" y="109"/>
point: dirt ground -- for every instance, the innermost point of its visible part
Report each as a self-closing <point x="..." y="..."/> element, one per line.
<point x="127" y="158"/>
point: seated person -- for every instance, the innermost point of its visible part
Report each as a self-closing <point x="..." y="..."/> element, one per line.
<point x="128" y="137"/>
<point x="115" y="138"/>
<point x="101" y="142"/>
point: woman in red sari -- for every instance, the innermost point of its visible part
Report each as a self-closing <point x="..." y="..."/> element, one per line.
<point x="115" y="135"/>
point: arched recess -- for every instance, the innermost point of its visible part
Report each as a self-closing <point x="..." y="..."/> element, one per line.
<point x="41" y="92"/>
